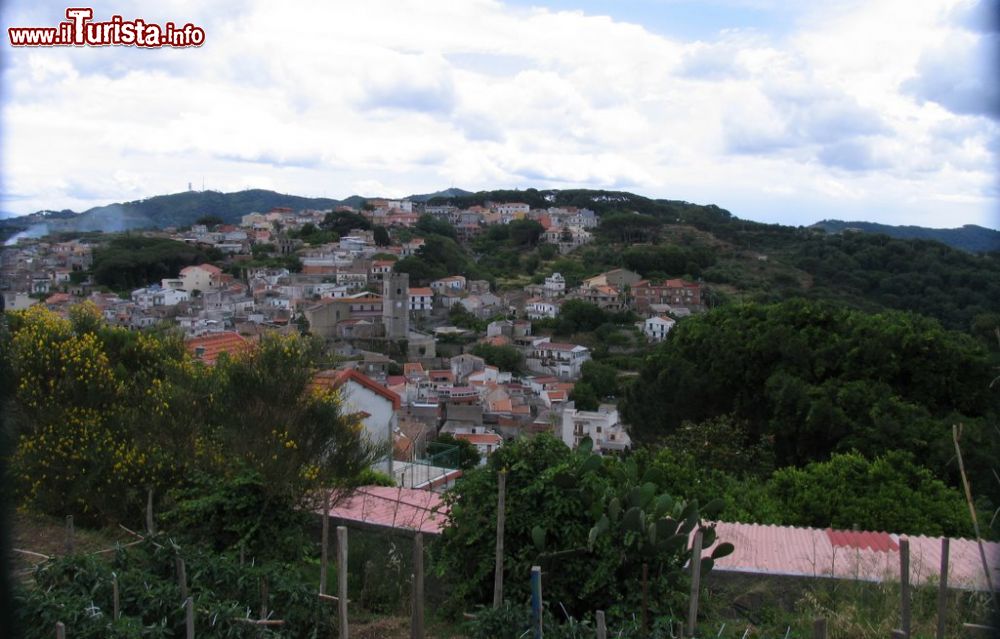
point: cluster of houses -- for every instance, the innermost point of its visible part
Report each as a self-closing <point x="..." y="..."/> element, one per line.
<point x="409" y="406"/>
<point x="32" y="270"/>
<point x="348" y="294"/>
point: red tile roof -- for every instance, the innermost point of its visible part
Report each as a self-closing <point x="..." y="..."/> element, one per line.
<point x="58" y="298"/>
<point x="208" y="348"/>
<point x="336" y="379"/>
<point x="480" y="438"/>
<point x="214" y="270"/>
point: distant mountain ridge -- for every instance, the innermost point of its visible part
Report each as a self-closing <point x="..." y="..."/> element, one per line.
<point x="161" y="211"/>
<point x="971" y="238"/>
<point x="183" y="209"/>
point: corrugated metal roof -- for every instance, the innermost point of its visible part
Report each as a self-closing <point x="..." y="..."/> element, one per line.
<point x="863" y="555"/>
<point x="398" y="508"/>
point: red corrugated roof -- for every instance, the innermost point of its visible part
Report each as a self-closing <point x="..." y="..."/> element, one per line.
<point x="859" y="555"/>
<point x="398" y="508"/>
<point x="878" y="541"/>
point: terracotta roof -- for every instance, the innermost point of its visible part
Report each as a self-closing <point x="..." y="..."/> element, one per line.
<point x="480" y="438"/>
<point x="208" y="348"/>
<point x="501" y="406"/>
<point x="424" y="292"/>
<point x="58" y="298"/>
<point x="397" y="508"/>
<point x="214" y="270"/>
<point x="412" y="367"/>
<point x="868" y="556"/>
<point x="336" y="379"/>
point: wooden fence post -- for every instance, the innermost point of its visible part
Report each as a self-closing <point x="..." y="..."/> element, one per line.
<point x="695" y="583"/>
<point x="501" y="515"/>
<point x="942" y="602"/>
<point x="189" y="617"/>
<point x="417" y="623"/>
<point x="150" y="526"/>
<point x="819" y="628"/>
<point x="70" y="536"/>
<point x="602" y="629"/>
<point x="904" y="585"/>
<point x="60" y="630"/>
<point x="536" y="601"/>
<point x="264" y="596"/>
<point x="182" y="581"/>
<point x="342" y="580"/>
<point x="645" y="598"/>
<point x="324" y="542"/>
<point x="115" y="601"/>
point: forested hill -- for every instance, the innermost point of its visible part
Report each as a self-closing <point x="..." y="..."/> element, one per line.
<point x="972" y="238"/>
<point x="161" y="211"/>
<point x="736" y="260"/>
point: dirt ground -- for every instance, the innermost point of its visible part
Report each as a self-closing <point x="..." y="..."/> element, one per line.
<point x="36" y="537"/>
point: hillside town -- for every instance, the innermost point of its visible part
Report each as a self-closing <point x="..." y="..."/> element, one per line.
<point x="401" y="357"/>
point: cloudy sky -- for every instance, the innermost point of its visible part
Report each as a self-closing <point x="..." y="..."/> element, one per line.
<point x="791" y="112"/>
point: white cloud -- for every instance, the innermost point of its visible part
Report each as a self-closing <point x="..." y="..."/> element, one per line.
<point x="390" y="97"/>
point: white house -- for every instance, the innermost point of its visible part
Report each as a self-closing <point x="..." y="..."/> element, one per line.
<point x="451" y="283"/>
<point x="555" y="285"/>
<point x="485" y="443"/>
<point x="421" y="300"/>
<point x="562" y="360"/>
<point x="155" y="295"/>
<point x="602" y="426"/>
<point x="373" y="404"/>
<point x="657" y="327"/>
<point x="536" y="308"/>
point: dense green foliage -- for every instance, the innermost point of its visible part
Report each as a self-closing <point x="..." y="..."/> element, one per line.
<point x="439" y="257"/>
<point x="890" y="492"/>
<point x="814" y="379"/>
<point x="913" y="275"/>
<point x="342" y="222"/>
<point x="101" y="414"/>
<point x="597" y="382"/>
<point x="660" y="262"/>
<point x="506" y="250"/>
<point x="465" y="456"/>
<point x="238" y="512"/>
<point x="597" y="520"/>
<point x="506" y="358"/>
<point x="430" y="225"/>
<point x="78" y="591"/>
<point x="130" y="261"/>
